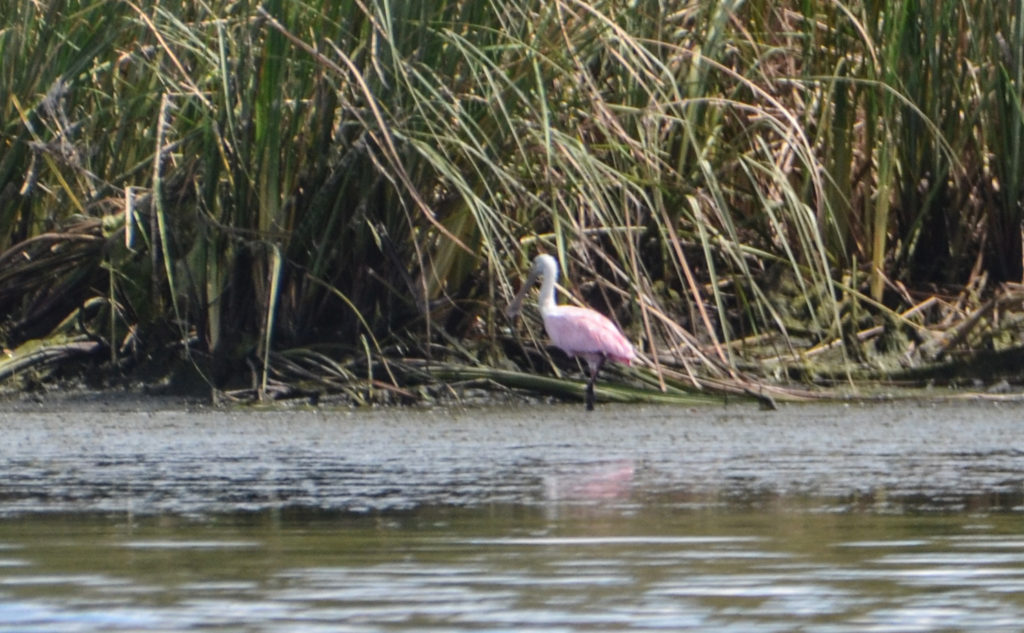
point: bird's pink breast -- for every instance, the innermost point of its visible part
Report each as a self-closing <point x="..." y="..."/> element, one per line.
<point x="584" y="332"/>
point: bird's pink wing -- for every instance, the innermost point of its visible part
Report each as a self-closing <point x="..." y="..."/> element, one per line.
<point x="584" y="332"/>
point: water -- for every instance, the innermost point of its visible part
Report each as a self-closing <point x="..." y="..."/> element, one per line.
<point x="895" y="517"/>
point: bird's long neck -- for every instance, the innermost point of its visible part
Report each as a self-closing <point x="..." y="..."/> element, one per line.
<point x="546" y="301"/>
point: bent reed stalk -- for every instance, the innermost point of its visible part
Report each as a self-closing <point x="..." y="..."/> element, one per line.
<point x="335" y="197"/>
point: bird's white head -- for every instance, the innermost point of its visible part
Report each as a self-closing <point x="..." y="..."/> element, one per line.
<point x="545" y="266"/>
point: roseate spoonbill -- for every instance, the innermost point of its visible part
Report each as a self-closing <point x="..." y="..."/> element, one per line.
<point x="580" y="332"/>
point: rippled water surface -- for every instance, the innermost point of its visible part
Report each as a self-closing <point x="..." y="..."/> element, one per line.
<point x="894" y="517"/>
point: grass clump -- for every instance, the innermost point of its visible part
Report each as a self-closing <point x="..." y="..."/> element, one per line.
<point x="308" y="197"/>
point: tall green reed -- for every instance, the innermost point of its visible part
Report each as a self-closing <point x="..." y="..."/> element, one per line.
<point x="375" y="173"/>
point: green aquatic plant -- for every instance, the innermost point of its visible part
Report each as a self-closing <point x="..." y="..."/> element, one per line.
<point x="740" y="185"/>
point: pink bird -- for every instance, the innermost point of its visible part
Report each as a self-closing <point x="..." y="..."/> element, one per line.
<point x="580" y="332"/>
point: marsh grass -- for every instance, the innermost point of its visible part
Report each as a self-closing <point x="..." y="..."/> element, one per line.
<point x="340" y="196"/>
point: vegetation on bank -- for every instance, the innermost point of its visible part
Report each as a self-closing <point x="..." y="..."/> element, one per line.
<point x="311" y="197"/>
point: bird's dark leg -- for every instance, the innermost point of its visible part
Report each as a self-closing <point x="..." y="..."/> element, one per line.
<point x="593" y="378"/>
